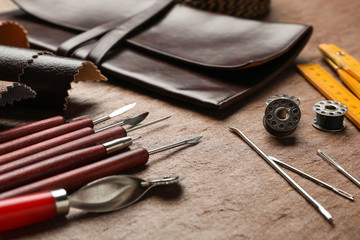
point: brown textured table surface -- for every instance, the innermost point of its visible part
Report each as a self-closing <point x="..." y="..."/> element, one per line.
<point x="229" y="192"/>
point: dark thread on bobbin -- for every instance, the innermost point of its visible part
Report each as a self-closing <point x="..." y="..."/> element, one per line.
<point x="329" y="116"/>
<point x="282" y="115"/>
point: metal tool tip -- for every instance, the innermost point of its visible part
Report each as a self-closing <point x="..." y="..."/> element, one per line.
<point x="194" y="139"/>
<point x="326" y="214"/>
<point x="344" y="194"/>
<point x="122" y="110"/>
<point x="231" y="128"/>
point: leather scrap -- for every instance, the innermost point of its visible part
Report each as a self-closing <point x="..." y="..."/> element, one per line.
<point x="13" y="34"/>
<point x="37" y="71"/>
<point x="13" y="91"/>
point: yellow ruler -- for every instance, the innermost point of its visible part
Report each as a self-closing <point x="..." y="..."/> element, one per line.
<point x="332" y="89"/>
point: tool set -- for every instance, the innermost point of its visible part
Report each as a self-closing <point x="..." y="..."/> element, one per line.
<point x="61" y="163"/>
<point x="69" y="159"/>
<point x="71" y="180"/>
<point x="296" y="186"/>
<point x="282" y="115"/>
<point x="49" y="133"/>
<point x="87" y="141"/>
<point x="42" y="146"/>
<point x="51" y="154"/>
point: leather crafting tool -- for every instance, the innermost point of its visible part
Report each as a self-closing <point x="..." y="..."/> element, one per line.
<point x="36" y="207"/>
<point x="87" y="141"/>
<point x="61" y="163"/>
<point x="332" y="89"/>
<point x="78" y="177"/>
<point x="315" y="180"/>
<point x="61" y="129"/>
<point x="338" y="167"/>
<point x="296" y="186"/>
<point x="53" y="142"/>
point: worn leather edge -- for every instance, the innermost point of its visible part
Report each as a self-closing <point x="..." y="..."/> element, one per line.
<point x="48" y="75"/>
<point x="17" y="35"/>
<point x="13" y="91"/>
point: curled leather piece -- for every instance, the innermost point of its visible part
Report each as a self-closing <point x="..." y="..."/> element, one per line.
<point x="13" y="34"/>
<point x="13" y="91"/>
<point x="48" y="75"/>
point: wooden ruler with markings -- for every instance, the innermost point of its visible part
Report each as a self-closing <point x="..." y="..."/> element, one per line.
<point x="332" y="89"/>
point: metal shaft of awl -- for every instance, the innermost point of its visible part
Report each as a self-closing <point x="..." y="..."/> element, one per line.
<point x="190" y="140"/>
<point x="321" y="183"/>
<point x="313" y="202"/>
<point x="147" y="124"/>
<point x="115" y="113"/>
<point x="130" y="121"/>
<point x="338" y="167"/>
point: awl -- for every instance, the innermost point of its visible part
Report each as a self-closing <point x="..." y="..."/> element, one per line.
<point x="27" y="140"/>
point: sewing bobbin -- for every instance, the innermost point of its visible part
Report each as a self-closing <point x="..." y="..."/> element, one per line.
<point x="329" y="116"/>
<point x="282" y="115"/>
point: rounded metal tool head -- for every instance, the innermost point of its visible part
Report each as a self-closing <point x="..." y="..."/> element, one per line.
<point x="115" y="192"/>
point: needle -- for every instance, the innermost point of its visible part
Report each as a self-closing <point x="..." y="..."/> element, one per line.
<point x="78" y="177"/>
<point x="321" y="183"/>
<point x="338" y="167"/>
<point x="313" y="202"/>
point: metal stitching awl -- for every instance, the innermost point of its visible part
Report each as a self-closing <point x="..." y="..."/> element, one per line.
<point x="315" y="180"/>
<point x="76" y="178"/>
<point x="87" y="141"/>
<point x="338" y="167"/>
<point x="26" y="129"/>
<point x="313" y="202"/>
<point x="61" y="129"/>
<point x="332" y="89"/>
<point x="62" y="139"/>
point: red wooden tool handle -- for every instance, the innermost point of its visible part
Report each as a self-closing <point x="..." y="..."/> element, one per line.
<point x="25" y="210"/>
<point x="38" y="147"/>
<point x="90" y="140"/>
<point x="22" y="130"/>
<point x="44" y="135"/>
<point x="51" y="166"/>
<point x="78" y="177"/>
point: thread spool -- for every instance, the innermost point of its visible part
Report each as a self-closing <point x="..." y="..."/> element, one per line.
<point x="282" y="115"/>
<point x="329" y="116"/>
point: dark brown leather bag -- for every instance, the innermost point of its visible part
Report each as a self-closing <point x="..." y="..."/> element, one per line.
<point x="189" y="54"/>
